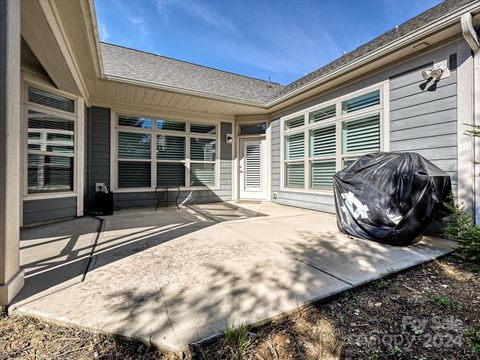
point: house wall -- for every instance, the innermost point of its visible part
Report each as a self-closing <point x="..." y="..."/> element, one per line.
<point x="45" y="210"/>
<point x="99" y="168"/>
<point x="420" y="118"/>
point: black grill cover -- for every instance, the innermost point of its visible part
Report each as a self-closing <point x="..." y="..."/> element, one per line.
<point x="390" y="197"/>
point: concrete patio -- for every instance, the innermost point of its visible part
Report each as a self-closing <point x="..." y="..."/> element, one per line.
<point x="174" y="277"/>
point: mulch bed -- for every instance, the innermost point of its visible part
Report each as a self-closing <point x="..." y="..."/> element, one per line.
<point x="431" y="312"/>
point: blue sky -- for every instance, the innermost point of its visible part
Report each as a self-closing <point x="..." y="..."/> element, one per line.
<point x="283" y="40"/>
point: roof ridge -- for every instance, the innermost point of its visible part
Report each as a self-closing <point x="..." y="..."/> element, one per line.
<point x="191" y="63"/>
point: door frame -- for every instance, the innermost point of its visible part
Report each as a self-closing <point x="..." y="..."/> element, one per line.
<point x="236" y="157"/>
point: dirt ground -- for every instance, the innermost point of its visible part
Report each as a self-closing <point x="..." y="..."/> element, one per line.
<point x="431" y="312"/>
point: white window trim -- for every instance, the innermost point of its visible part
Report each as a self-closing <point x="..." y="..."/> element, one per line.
<point x="382" y="109"/>
<point x="115" y="129"/>
<point x="78" y="119"/>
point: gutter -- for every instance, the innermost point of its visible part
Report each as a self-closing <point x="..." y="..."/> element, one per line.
<point x="471" y="38"/>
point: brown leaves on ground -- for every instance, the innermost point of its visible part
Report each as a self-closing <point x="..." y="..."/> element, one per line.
<point x="431" y="312"/>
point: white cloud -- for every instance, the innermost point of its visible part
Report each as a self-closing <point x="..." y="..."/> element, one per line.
<point x="103" y="32"/>
<point x="139" y="23"/>
<point x="200" y="11"/>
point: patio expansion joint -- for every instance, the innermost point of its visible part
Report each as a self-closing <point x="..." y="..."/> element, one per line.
<point x="308" y="263"/>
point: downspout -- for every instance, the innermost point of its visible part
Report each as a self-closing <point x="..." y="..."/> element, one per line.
<point x="471" y="38"/>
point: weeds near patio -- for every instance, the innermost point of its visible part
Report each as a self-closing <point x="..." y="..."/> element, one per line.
<point x="446" y="302"/>
<point x="472" y="335"/>
<point x="238" y="339"/>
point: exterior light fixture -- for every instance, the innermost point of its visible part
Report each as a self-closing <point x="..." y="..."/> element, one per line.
<point x="435" y="74"/>
<point x="229" y="138"/>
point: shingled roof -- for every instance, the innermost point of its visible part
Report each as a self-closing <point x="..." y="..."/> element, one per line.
<point x="141" y="66"/>
<point x="137" y="65"/>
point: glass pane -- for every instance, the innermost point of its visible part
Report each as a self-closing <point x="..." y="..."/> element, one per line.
<point x="202" y="149"/>
<point x="50" y="133"/>
<point x="322" y="174"/>
<point x="203" y="128"/>
<point x="295" y="122"/>
<point x="253" y="129"/>
<point x="170" y="125"/>
<point x="170" y="174"/>
<point x="133" y="174"/>
<point x="322" y="114"/>
<point x="294" y="146"/>
<point x="295" y="175"/>
<point x="322" y="141"/>
<point x="349" y="161"/>
<point x="170" y="147"/>
<point x="134" y="146"/>
<point x="134" y="121"/>
<point x="202" y="174"/>
<point x="361" y="102"/>
<point x="45" y="98"/>
<point x="362" y="135"/>
<point x="49" y="173"/>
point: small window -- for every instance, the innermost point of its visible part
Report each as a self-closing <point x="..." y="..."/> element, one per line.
<point x="362" y="135"/>
<point x="361" y="102"/>
<point x="134" y="121"/>
<point x="202" y="149"/>
<point x="295" y="122"/>
<point x="134" y="174"/>
<point x="170" y="125"/>
<point x="49" y="173"/>
<point x="134" y="146"/>
<point x="170" y="147"/>
<point x="54" y="101"/>
<point x="295" y="175"/>
<point x="253" y="129"/>
<point x="203" y="129"/>
<point x="54" y="135"/>
<point x="322" y="114"/>
<point x="169" y="174"/>
<point x="202" y="174"/>
<point x="322" y="174"/>
<point x="294" y="146"/>
<point x="323" y="142"/>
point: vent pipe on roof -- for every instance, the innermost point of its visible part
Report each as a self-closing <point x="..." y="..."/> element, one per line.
<point x="469" y="32"/>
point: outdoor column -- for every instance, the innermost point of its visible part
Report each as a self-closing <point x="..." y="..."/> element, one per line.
<point x="11" y="278"/>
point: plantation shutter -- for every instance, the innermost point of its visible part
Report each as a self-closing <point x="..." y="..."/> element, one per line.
<point x="202" y="149"/>
<point x="323" y="142"/>
<point x="295" y="122"/>
<point x="294" y="146"/>
<point x="322" y="174"/>
<point x="170" y="174"/>
<point x="55" y="101"/>
<point x="137" y="147"/>
<point x="361" y="102"/>
<point x="322" y="114"/>
<point x="202" y="174"/>
<point x="295" y="175"/>
<point x="362" y="135"/>
<point x="170" y="147"/>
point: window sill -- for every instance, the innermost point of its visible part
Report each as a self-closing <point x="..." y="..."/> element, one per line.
<point x="309" y="191"/>
<point x="46" y="196"/>
<point x="173" y="188"/>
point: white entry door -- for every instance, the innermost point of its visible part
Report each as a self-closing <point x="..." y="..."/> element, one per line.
<point x="252" y="169"/>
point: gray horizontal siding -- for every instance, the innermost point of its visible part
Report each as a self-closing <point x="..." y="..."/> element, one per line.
<point x="38" y="211"/>
<point x="424" y="119"/>
<point x="98" y="151"/>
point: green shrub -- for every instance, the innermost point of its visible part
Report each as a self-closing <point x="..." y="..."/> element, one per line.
<point x="462" y="229"/>
<point x="238" y="338"/>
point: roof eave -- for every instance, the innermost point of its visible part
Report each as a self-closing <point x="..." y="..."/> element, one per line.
<point x="174" y="89"/>
<point x="426" y="30"/>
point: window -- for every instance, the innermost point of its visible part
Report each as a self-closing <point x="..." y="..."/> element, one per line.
<point x="163" y="153"/>
<point x="50" y="142"/>
<point x="253" y="129"/>
<point x="315" y="151"/>
<point x="294" y="164"/>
